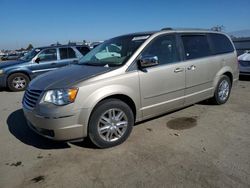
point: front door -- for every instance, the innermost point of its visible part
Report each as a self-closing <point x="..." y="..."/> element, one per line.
<point x="162" y="86"/>
<point x="47" y="62"/>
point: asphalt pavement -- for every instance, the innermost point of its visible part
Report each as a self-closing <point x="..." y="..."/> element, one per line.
<point x="199" y="146"/>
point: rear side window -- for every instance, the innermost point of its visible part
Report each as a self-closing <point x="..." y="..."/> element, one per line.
<point x="196" y="46"/>
<point x="83" y="50"/>
<point x="220" y="43"/>
<point x="67" y="53"/>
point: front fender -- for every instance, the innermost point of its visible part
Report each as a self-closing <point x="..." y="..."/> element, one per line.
<point x="19" y="70"/>
<point x="108" y="91"/>
<point x="88" y="103"/>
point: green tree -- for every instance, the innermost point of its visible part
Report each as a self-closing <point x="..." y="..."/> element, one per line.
<point x="29" y="47"/>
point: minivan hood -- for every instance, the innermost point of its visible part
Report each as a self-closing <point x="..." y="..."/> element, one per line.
<point x="66" y="77"/>
<point x="10" y="63"/>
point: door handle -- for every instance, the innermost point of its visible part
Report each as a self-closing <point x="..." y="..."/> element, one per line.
<point x="53" y="63"/>
<point x="192" y="67"/>
<point x="178" y="70"/>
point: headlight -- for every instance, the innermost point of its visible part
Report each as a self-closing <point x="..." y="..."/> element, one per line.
<point x="1" y="71"/>
<point x="61" y="96"/>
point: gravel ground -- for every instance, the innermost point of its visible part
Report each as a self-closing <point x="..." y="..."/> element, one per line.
<point x="199" y="146"/>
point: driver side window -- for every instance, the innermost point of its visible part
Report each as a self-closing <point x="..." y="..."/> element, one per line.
<point x="165" y="48"/>
<point x="48" y="55"/>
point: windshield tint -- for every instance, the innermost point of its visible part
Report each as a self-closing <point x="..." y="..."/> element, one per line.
<point x="114" y="52"/>
<point x="30" y="54"/>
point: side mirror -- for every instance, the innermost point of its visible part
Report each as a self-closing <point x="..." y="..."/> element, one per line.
<point x="37" y="60"/>
<point x="75" y="62"/>
<point x="148" y="61"/>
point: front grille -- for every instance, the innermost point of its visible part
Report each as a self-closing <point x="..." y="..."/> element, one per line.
<point x="30" y="97"/>
<point x="245" y="63"/>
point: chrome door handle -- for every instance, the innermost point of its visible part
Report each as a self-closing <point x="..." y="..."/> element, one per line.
<point x="178" y="70"/>
<point x="192" y="67"/>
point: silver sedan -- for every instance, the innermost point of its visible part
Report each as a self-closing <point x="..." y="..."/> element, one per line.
<point x="244" y="63"/>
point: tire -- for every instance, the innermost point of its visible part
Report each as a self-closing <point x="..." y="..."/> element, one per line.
<point x="18" y="82"/>
<point x="107" y="118"/>
<point x="220" y="97"/>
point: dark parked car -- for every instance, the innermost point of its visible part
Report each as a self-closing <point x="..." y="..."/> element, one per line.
<point x="10" y="57"/>
<point x="17" y="74"/>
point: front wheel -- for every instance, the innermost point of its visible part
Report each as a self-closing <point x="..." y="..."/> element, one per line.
<point x="18" y="82"/>
<point x="222" y="91"/>
<point x="110" y="123"/>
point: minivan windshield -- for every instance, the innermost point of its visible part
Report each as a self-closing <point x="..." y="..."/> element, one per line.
<point x="114" y="52"/>
<point x="30" y="54"/>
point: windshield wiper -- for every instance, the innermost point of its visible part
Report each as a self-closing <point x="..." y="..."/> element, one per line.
<point x="93" y="64"/>
<point x="102" y="64"/>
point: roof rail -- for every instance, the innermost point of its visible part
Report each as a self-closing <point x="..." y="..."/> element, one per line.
<point x="166" y="28"/>
<point x="57" y="44"/>
<point x="186" y="29"/>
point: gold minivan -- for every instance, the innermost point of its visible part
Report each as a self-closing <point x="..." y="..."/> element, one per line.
<point x="128" y="79"/>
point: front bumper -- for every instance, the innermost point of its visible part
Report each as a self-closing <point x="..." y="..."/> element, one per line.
<point x="60" y="128"/>
<point x="244" y="70"/>
<point x="2" y="81"/>
<point x="243" y="73"/>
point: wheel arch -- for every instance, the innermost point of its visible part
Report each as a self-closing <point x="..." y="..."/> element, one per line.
<point x="103" y="94"/>
<point x="230" y="75"/>
<point x="224" y="71"/>
<point x="16" y="72"/>
<point x="124" y="98"/>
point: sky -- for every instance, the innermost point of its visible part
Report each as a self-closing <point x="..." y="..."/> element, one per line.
<point x="43" y="22"/>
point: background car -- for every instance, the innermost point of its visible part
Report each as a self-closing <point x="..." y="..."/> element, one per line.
<point x="10" y="57"/>
<point x="244" y="63"/>
<point x="95" y="44"/>
<point x="17" y="74"/>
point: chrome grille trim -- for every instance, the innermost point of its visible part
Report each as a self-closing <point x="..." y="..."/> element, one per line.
<point x="244" y="63"/>
<point x="31" y="97"/>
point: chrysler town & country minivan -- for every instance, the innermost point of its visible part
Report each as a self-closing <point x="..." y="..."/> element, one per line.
<point x="147" y="75"/>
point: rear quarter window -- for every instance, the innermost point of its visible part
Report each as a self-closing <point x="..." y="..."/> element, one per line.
<point x="83" y="50"/>
<point x="196" y="46"/>
<point x="67" y="53"/>
<point x="220" y="43"/>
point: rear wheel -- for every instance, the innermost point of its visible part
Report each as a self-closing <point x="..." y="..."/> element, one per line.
<point x="110" y="123"/>
<point x="222" y="91"/>
<point x="18" y="82"/>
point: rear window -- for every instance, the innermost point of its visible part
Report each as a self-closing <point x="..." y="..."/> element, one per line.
<point x="83" y="50"/>
<point x="196" y="46"/>
<point x="220" y="43"/>
<point x="67" y="53"/>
